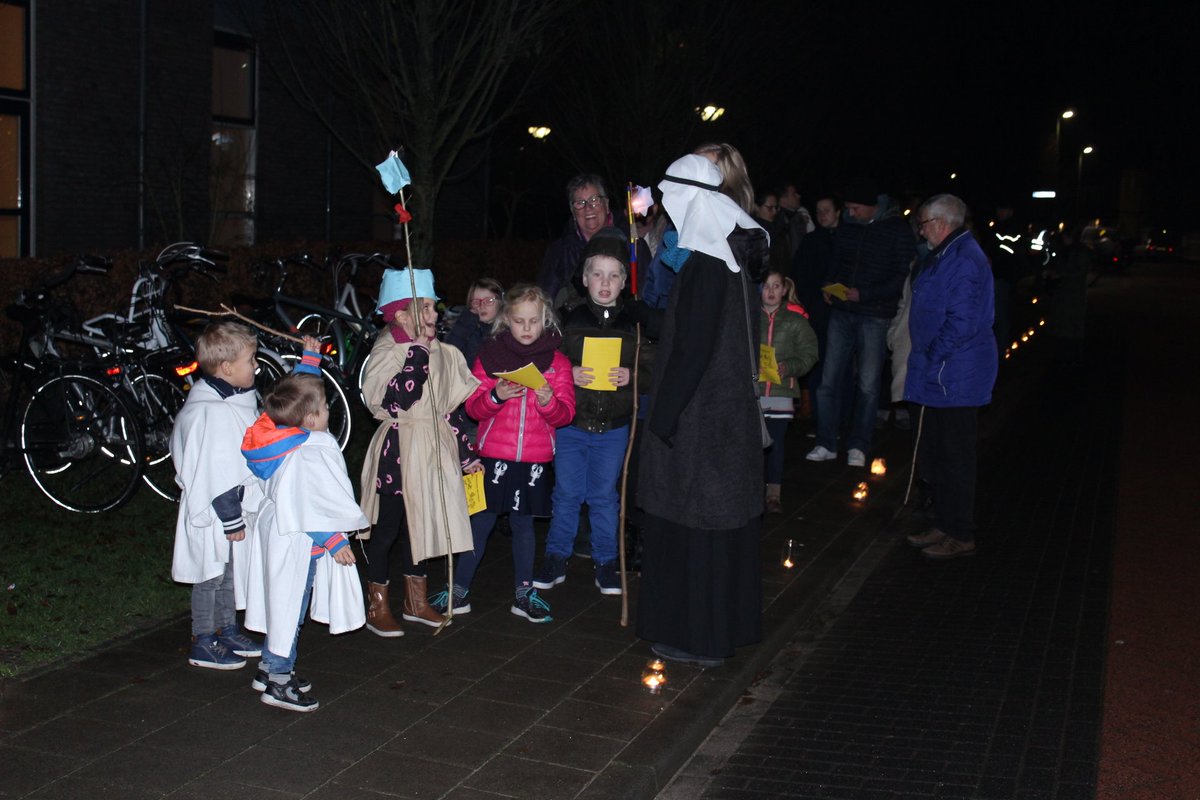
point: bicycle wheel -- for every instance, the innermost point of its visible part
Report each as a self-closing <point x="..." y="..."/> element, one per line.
<point x="82" y="444"/>
<point x="159" y="400"/>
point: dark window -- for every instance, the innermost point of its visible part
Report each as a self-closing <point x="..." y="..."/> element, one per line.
<point x="234" y="151"/>
<point x="14" y="128"/>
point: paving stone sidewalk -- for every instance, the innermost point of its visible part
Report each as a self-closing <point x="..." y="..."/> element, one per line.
<point x="976" y="678"/>
<point x="492" y="707"/>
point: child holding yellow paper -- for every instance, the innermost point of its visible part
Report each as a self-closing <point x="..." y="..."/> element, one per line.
<point x="599" y="337"/>
<point x="516" y="438"/>
<point x="411" y="482"/>
<point x="787" y="336"/>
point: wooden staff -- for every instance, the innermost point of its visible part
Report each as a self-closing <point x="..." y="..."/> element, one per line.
<point x="437" y="442"/>
<point x="226" y="311"/>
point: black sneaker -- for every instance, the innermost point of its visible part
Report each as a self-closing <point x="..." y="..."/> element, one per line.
<point x="552" y="573"/>
<point x="288" y="696"/>
<point x="608" y="579"/>
<point x="261" y="679"/>
<point x="532" y="608"/>
<point x="440" y="602"/>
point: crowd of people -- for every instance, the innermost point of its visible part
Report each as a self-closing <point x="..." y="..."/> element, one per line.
<point x="747" y="315"/>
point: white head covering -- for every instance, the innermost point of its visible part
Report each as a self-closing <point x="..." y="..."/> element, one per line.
<point x="703" y="216"/>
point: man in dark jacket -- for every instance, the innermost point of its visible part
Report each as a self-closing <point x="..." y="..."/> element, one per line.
<point x="559" y="274"/>
<point x="951" y="370"/>
<point x="873" y="250"/>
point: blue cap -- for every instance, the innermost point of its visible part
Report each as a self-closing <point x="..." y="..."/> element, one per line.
<point x="397" y="285"/>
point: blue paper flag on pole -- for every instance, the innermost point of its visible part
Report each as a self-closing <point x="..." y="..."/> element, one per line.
<point x="394" y="173"/>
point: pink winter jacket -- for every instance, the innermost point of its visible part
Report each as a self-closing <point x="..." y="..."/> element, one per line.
<point x="520" y="429"/>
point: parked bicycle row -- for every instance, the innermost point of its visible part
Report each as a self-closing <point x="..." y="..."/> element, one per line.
<point x="91" y="403"/>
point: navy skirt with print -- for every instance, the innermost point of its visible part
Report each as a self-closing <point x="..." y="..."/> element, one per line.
<point x="517" y="487"/>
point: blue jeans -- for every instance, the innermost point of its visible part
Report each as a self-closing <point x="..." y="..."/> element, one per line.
<point x="851" y="337"/>
<point x="277" y="665"/>
<point x="213" y="604"/>
<point x="586" y="469"/>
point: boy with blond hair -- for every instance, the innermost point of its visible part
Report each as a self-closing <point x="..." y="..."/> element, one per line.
<point x="219" y="494"/>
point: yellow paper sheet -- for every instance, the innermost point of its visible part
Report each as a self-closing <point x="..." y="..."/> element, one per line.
<point x="527" y="376"/>
<point x="601" y="354"/>
<point x="768" y="367"/>
<point x="473" y="486"/>
<point x="837" y="290"/>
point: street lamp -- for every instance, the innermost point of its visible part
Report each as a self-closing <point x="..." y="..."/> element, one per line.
<point x="1079" y="177"/>
<point x="710" y="113"/>
<point x="1067" y="114"/>
<point x="539" y="131"/>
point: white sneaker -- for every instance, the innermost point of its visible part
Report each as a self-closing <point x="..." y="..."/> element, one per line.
<point x="819" y="453"/>
<point x="856" y="458"/>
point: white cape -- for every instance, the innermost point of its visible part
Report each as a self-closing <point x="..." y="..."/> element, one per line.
<point x="206" y="449"/>
<point x="309" y="492"/>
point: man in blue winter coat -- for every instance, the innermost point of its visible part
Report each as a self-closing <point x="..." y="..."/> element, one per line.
<point x="951" y="370"/>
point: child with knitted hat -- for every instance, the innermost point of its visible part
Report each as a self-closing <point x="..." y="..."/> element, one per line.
<point x="308" y="509"/>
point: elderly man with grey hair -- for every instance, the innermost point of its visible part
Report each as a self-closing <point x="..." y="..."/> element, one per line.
<point x="951" y="370"/>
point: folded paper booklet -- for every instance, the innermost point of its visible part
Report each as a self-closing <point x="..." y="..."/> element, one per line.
<point x="837" y="290"/>
<point x="768" y="367"/>
<point x="473" y="486"/>
<point x="601" y="354"/>
<point x="527" y="376"/>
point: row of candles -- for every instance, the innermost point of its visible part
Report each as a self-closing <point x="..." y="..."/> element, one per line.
<point x="1024" y="337"/>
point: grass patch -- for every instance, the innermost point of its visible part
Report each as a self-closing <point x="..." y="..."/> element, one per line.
<point x="71" y="582"/>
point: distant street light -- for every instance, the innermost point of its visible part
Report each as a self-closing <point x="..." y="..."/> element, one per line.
<point x="710" y="113"/>
<point x="539" y="132"/>
<point x="1079" y="177"/>
<point x="953" y="175"/>
<point x="1068" y="114"/>
<point x="1045" y="194"/>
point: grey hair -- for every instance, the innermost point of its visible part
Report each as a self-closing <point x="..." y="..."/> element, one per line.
<point x="586" y="179"/>
<point x="946" y="207"/>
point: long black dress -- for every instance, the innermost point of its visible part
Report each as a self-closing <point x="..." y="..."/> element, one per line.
<point x="701" y="473"/>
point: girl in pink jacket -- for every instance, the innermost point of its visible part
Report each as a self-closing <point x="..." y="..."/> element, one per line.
<point x="517" y="427"/>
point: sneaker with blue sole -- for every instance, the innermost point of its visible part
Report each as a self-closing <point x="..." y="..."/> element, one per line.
<point x="238" y="642"/>
<point x="532" y="607"/>
<point x="552" y="573"/>
<point x="209" y="653"/>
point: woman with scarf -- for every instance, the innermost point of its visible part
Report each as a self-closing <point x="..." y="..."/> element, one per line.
<point x="701" y="474"/>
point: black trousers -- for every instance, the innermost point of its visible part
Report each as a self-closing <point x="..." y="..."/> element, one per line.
<point x="391" y="526"/>
<point x="946" y="458"/>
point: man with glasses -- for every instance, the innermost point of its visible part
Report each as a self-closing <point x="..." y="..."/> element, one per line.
<point x="560" y="273"/>
<point x="951" y="370"/>
<point x="873" y="249"/>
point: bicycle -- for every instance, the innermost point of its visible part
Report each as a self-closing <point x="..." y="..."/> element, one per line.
<point x="78" y="438"/>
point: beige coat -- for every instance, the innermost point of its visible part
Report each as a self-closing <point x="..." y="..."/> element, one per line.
<point x="423" y="431"/>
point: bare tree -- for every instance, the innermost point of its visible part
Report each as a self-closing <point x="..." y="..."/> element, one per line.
<point x="427" y="76"/>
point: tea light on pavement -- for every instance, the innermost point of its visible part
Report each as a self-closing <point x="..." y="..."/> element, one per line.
<point x="878" y="467"/>
<point x="860" y="493"/>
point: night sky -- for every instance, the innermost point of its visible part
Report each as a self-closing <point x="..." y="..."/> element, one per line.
<point x="905" y="93"/>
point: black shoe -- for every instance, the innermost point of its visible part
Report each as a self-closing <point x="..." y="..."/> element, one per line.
<point x="682" y="656"/>
<point x="261" y="679"/>
<point x="288" y="696"/>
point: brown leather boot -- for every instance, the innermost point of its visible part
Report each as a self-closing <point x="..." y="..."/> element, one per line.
<point x="379" y="614"/>
<point x="416" y="608"/>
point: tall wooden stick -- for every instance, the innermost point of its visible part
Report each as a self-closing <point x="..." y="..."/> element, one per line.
<point x="437" y="441"/>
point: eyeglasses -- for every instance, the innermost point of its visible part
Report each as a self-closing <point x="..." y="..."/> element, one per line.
<point x="592" y="202"/>
<point x="925" y="222"/>
<point x="483" y="302"/>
